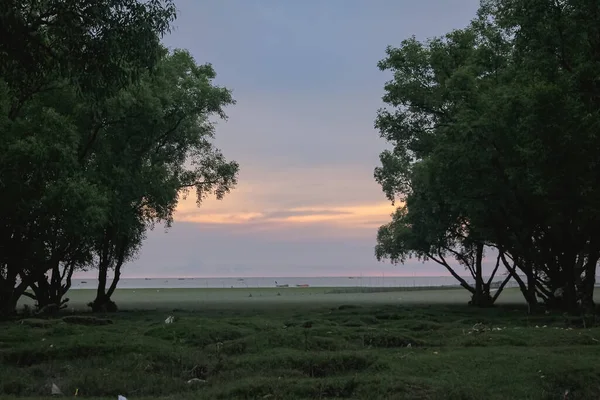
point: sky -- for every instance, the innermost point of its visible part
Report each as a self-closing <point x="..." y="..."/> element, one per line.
<point x="305" y="78"/>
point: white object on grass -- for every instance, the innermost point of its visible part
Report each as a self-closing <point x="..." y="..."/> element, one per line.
<point x="170" y="319"/>
<point x="55" y="391"/>
<point x="121" y="397"/>
<point x="196" y="380"/>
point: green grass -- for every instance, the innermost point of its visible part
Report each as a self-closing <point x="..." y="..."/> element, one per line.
<point x="304" y="350"/>
<point x="269" y="298"/>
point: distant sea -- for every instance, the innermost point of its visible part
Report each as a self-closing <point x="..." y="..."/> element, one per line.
<point x="361" y="281"/>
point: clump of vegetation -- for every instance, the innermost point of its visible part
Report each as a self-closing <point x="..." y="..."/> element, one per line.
<point x="86" y="320"/>
<point x="249" y="353"/>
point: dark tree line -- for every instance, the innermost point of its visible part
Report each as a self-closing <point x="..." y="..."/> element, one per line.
<point x="101" y="130"/>
<point x="495" y="145"/>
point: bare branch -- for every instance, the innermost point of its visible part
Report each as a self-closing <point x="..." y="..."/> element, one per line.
<point x="463" y="283"/>
<point x="495" y="269"/>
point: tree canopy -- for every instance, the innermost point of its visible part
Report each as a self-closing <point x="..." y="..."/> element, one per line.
<point x="494" y="142"/>
<point x="102" y="130"/>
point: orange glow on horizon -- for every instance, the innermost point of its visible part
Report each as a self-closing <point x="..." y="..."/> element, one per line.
<point x="217" y="218"/>
<point x="366" y="216"/>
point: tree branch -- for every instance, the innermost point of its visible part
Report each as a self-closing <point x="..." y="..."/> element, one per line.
<point x="195" y="184"/>
<point x="501" y="288"/>
<point x="495" y="270"/>
<point x="162" y="139"/>
<point x="462" y="258"/>
<point x="442" y="261"/>
<point x="92" y="138"/>
<point x="512" y="271"/>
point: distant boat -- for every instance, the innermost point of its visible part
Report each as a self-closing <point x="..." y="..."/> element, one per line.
<point x="350" y="277"/>
<point x="282" y="286"/>
<point x="180" y="279"/>
<point x="83" y="281"/>
<point x="303" y="285"/>
<point x="147" y="279"/>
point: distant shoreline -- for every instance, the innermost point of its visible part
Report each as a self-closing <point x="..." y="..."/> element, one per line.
<point x="326" y="290"/>
<point x="280" y="282"/>
<point x="286" y="277"/>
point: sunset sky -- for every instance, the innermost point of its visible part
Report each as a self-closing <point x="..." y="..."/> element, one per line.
<point x="305" y="77"/>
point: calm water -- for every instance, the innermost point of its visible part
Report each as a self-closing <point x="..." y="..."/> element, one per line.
<point x="158" y="283"/>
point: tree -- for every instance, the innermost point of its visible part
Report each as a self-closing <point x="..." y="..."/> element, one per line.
<point x="56" y="59"/>
<point x="161" y="146"/>
<point x="503" y="112"/>
<point x="46" y="200"/>
<point x="436" y="92"/>
<point x="100" y="46"/>
<point x="558" y="60"/>
<point x="427" y="228"/>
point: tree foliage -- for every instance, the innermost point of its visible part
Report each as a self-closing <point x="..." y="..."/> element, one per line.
<point x="159" y="146"/>
<point x="101" y="129"/>
<point x="500" y="120"/>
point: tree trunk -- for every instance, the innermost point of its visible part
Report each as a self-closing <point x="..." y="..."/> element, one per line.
<point x="479" y="275"/>
<point x="501" y="288"/>
<point x="531" y="294"/>
<point x="481" y="297"/>
<point x="102" y="277"/>
<point x="526" y="289"/>
<point x="588" y="285"/>
<point x="49" y="291"/>
<point x="102" y="302"/>
<point x="67" y="276"/>
<point x="116" y="278"/>
<point x="41" y="292"/>
<point x="10" y="293"/>
<point x="568" y="300"/>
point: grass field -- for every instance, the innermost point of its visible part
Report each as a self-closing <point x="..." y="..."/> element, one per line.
<point x="192" y="299"/>
<point x="302" y="344"/>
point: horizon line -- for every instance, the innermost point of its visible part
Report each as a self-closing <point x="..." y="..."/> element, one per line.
<point x="286" y="277"/>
